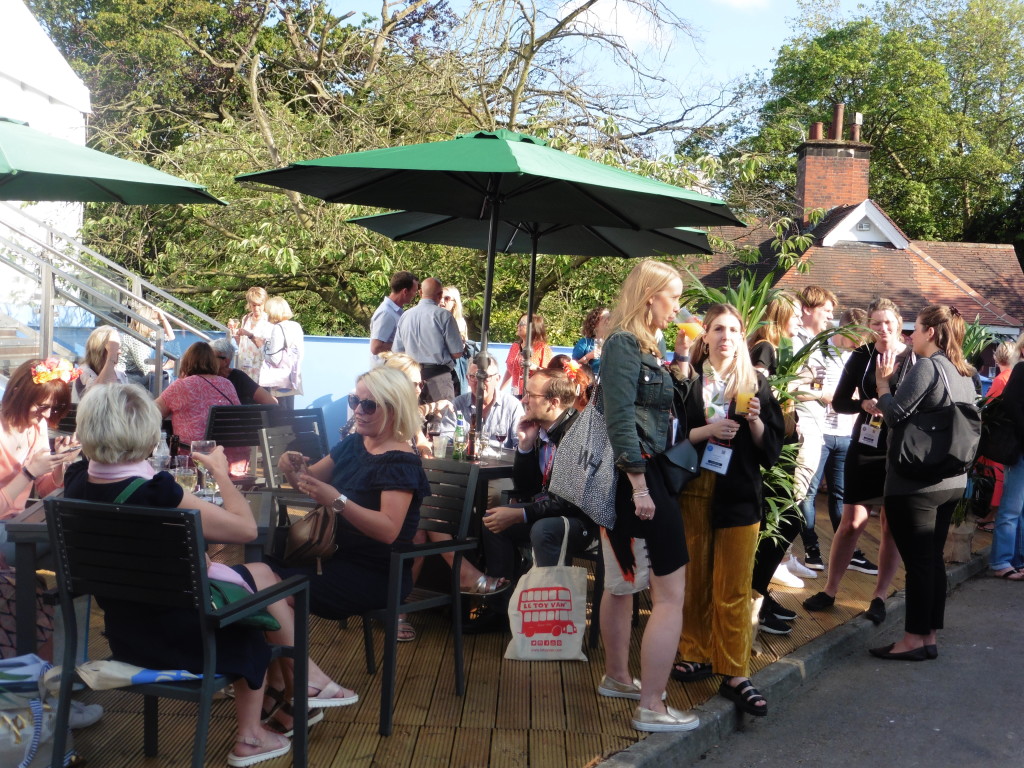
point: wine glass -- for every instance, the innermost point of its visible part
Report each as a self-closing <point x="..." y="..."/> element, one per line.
<point x="183" y="470"/>
<point x="207" y="488"/>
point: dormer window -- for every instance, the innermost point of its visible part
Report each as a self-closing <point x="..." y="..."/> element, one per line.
<point x="864" y="225"/>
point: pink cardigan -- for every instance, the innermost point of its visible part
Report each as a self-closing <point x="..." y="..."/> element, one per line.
<point x="11" y="464"/>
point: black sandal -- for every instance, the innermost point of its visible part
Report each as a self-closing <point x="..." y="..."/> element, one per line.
<point x="691" y="671"/>
<point x="745" y="696"/>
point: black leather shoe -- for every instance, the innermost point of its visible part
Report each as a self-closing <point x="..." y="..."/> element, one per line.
<point x="918" y="654"/>
<point x="876" y="611"/>
<point x="932" y="651"/>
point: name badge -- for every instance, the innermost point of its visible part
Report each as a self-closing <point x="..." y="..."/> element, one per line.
<point x="716" y="458"/>
<point x="871" y="432"/>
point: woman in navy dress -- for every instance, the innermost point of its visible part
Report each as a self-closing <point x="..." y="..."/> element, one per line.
<point x="374" y="481"/>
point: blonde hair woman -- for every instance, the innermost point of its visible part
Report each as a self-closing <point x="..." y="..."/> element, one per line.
<point x="253" y="333"/>
<point x="637" y="393"/>
<point x="102" y="351"/>
<point x="721" y="508"/>
<point x="375" y="482"/>
<point x="281" y="373"/>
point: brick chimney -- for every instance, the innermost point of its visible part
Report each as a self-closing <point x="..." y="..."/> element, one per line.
<point x="831" y="171"/>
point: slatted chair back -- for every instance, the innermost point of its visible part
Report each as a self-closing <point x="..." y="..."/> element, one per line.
<point x="276" y="441"/>
<point x="68" y="422"/>
<point x="305" y="422"/>
<point x="236" y="426"/>
<point x="449" y="507"/>
<point x="156" y="556"/>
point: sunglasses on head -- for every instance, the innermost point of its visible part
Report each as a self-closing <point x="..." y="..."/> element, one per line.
<point x="369" y="406"/>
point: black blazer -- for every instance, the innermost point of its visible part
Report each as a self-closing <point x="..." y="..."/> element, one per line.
<point x="737" y="496"/>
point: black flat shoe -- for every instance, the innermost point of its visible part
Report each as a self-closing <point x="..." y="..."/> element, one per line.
<point x="876" y="611"/>
<point x="932" y="651"/>
<point x="917" y="654"/>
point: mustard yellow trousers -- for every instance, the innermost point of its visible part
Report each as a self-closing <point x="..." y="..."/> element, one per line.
<point x="716" y="609"/>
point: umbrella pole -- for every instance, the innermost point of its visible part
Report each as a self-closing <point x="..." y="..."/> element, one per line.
<point x="528" y="352"/>
<point x="485" y="321"/>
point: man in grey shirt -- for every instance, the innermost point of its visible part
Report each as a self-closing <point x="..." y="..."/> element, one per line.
<point x="429" y="335"/>
<point x="385" y="319"/>
<point x="501" y="410"/>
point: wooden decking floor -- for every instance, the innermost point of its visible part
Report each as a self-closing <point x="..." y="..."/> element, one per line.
<point x="515" y="714"/>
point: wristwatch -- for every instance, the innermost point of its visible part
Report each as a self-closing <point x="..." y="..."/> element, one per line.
<point x="338" y="505"/>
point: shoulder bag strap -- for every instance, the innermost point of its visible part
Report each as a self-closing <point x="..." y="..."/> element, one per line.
<point x="129" y="489"/>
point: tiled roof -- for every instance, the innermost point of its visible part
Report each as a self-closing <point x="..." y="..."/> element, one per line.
<point x="979" y="279"/>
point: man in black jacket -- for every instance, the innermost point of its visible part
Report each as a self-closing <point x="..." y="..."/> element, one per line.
<point x="538" y="520"/>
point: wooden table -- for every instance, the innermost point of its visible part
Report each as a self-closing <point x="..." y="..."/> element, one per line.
<point x="28" y="529"/>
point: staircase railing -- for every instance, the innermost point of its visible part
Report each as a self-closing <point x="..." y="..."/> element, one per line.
<point x="69" y="271"/>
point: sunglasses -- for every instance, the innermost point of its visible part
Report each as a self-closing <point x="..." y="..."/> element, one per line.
<point x="369" y="406"/>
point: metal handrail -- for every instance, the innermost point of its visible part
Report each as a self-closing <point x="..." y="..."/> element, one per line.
<point x="129" y="277"/>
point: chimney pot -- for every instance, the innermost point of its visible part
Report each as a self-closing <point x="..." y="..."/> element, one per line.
<point x="837" y="121"/>
<point x="816" y="131"/>
<point x="855" y="132"/>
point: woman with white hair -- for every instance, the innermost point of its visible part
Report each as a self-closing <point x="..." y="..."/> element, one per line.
<point x="374" y="481"/>
<point x="118" y="425"/>
<point x="248" y="391"/>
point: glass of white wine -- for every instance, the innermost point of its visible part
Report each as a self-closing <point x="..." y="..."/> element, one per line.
<point x="207" y="486"/>
<point x="183" y="470"/>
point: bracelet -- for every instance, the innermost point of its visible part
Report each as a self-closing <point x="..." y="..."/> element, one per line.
<point x="28" y="474"/>
<point x="680" y="358"/>
<point x="642" y="492"/>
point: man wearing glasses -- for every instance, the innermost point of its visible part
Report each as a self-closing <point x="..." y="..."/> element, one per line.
<point x="501" y="411"/>
<point x="539" y="519"/>
<point x="385" y="318"/>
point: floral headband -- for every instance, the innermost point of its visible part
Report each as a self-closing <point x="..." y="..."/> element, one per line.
<point x="571" y="368"/>
<point x="55" y="368"/>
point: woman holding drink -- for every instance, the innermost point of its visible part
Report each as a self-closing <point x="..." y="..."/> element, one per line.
<point x="721" y="508"/>
<point x="637" y="396"/>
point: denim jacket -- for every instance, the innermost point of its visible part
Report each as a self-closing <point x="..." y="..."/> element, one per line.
<point x="636" y="395"/>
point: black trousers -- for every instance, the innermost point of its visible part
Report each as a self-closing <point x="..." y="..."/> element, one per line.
<point x="771" y="549"/>
<point x="919" y="524"/>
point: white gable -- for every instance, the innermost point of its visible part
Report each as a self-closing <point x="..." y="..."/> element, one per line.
<point x="865" y="224"/>
<point x="34" y="77"/>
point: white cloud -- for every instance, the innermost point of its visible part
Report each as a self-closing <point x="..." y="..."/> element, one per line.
<point x="620" y="18"/>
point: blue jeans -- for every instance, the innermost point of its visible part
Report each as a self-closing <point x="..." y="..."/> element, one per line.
<point x="1008" y="534"/>
<point x="833" y="458"/>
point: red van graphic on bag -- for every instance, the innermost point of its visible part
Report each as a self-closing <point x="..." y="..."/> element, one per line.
<point x="546" y="611"/>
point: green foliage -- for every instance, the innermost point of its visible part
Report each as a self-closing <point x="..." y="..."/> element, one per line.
<point x="976" y="339"/>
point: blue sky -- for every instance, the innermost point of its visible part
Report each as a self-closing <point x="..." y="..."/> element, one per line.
<point x="738" y="37"/>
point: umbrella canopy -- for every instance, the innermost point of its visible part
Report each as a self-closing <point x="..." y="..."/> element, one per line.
<point x="528" y="180"/>
<point x="522" y="237"/>
<point x="35" y="167"/>
<point x="496" y="176"/>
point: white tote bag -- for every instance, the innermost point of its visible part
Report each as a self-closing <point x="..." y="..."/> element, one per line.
<point x="548" y="612"/>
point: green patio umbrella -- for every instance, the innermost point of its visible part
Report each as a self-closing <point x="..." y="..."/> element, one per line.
<point x="521" y="237"/>
<point x="495" y="176"/>
<point x="35" y="166"/>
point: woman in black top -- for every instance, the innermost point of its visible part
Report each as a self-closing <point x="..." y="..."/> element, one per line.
<point x="865" y="460"/>
<point x="721" y="508"/>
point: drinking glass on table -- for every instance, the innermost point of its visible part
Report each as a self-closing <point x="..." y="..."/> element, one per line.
<point x="207" y="486"/>
<point x="183" y="470"/>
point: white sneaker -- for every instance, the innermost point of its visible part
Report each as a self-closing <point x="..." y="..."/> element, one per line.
<point x="786" y="578"/>
<point x="801" y="570"/>
<point x="81" y="715"/>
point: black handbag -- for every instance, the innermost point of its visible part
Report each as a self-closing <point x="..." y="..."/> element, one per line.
<point x="939" y="442"/>
<point x="680" y="463"/>
<point x="998" y="435"/>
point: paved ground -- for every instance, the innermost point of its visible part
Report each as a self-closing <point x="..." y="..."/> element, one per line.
<point x="962" y="710"/>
